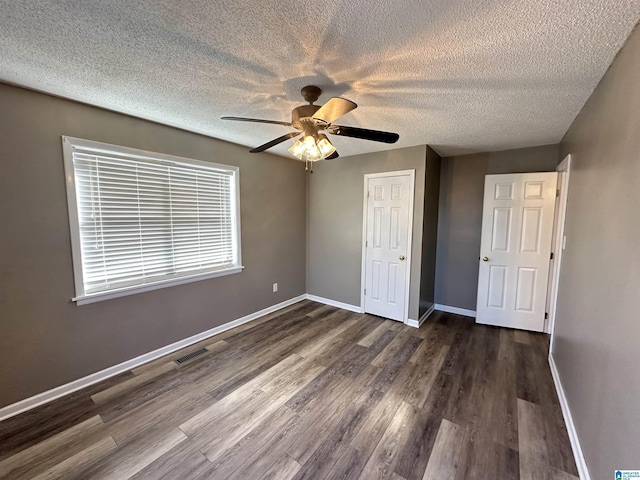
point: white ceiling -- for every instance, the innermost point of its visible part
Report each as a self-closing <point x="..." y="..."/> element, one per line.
<point x="460" y="75"/>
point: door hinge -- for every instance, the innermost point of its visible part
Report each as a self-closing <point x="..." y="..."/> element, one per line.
<point x="367" y="193"/>
<point x="557" y="193"/>
<point x="366" y="243"/>
<point x="551" y="255"/>
<point x="546" y="315"/>
<point x="365" y="291"/>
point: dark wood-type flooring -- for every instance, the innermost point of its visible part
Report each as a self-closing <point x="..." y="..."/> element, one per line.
<point x="312" y="392"/>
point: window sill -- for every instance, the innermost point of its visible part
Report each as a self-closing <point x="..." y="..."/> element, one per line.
<point x="147" y="287"/>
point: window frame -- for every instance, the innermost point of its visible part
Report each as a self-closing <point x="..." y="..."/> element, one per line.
<point x="81" y="297"/>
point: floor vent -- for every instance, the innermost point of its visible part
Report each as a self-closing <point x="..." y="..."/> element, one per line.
<point x="191" y="355"/>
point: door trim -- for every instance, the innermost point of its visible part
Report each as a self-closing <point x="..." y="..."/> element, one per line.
<point x="412" y="185"/>
<point x="558" y="246"/>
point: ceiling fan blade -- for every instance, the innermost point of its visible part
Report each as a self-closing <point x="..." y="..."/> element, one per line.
<point x="275" y="142"/>
<point x="256" y="120"/>
<point x="334" y="109"/>
<point x="363" y="133"/>
<point x="333" y="156"/>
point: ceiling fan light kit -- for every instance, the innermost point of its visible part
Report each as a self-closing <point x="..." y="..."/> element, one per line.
<point x="312" y="148"/>
<point x="310" y="120"/>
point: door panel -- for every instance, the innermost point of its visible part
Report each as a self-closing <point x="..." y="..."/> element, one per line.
<point x="501" y="229"/>
<point x="377" y="227"/>
<point x="526" y="289"/>
<point x="517" y="225"/>
<point x="386" y="249"/>
<point x="376" y="279"/>
<point x="504" y="191"/>
<point x="497" y="286"/>
<point x="533" y="190"/>
<point x="531" y="225"/>
<point x="394" y="235"/>
<point x="393" y="284"/>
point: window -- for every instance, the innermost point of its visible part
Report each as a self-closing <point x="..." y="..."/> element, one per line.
<point x="142" y="220"/>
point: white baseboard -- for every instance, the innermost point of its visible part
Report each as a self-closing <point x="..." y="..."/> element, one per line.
<point x="456" y="310"/>
<point x="333" y="303"/>
<point x="50" y="395"/>
<point x="581" y="464"/>
<point x="419" y="322"/>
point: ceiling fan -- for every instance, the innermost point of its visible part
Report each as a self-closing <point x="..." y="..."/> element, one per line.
<point x="311" y="120"/>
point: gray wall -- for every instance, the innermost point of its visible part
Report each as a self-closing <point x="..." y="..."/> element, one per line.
<point x="45" y="339"/>
<point x="597" y="324"/>
<point x="460" y="215"/>
<point x="429" y="232"/>
<point x="334" y="223"/>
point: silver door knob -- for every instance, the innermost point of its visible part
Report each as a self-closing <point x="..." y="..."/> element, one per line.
<point x="485" y="259"/>
<point x="401" y="257"/>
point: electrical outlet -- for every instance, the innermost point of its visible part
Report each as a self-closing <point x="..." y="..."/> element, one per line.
<point x="275" y="287"/>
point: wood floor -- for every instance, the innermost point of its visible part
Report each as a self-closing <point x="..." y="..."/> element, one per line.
<point x="312" y="392"/>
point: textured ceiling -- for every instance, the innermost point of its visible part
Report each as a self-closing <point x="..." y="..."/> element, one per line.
<point x="460" y="75"/>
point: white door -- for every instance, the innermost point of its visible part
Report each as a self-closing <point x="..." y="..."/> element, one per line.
<point x="388" y="221"/>
<point x="517" y="224"/>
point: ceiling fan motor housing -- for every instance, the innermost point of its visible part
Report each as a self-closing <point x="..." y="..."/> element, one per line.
<point x="302" y="117"/>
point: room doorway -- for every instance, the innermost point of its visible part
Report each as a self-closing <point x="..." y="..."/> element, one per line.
<point x="386" y="255"/>
<point x="558" y="244"/>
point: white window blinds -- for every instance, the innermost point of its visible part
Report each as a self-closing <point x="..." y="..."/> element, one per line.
<point x="143" y="220"/>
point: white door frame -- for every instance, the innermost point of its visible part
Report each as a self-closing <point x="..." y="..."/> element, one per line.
<point x="367" y="176"/>
<point x="558" y="245"/>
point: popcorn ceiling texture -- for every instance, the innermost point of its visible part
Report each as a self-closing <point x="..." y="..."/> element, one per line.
<point x="460" y="75"/>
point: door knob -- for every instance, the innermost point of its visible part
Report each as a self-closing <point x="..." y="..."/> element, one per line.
<point x="401" y="257"/>
<point x="485" y="259"/>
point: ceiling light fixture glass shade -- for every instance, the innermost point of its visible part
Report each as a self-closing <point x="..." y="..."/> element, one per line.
<point x="311" y="150"/>
<point x="297" y="149"/>
<point x="325" y="146"/>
